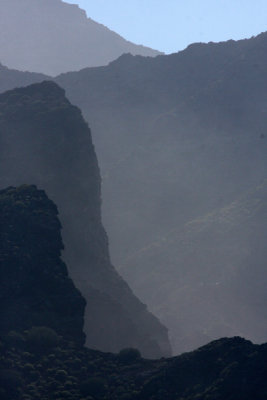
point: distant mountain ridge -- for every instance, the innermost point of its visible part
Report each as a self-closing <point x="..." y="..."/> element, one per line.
<point x="178" y="138"/>
<point x="51" y="37"/>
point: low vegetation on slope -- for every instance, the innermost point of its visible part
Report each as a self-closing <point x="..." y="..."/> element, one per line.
<point x="227" y="369"/>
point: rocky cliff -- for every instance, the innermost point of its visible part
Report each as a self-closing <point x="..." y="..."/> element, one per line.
<point x="179" y="137"/>
<point x="35" y="289"/>
<point x="45" y="141"/>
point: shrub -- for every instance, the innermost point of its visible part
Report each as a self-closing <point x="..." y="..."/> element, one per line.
<point x="95" y="387"/>
<point x="41" y="339"/>
<point x="129" y="355"/>
<point x="10" y="382"/>
<point x="61" y="375"/>
<point x="15" y="339"/>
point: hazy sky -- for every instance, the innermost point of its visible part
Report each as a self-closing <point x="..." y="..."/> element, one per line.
<point x="170" y="25"/>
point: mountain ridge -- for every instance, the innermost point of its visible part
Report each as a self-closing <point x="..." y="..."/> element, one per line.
<point x="177" y="137"/>
<point x="52" y="37"/>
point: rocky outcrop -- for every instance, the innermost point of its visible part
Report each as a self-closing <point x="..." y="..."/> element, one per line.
<point x="45" y="141"/>
<point x="35" y="289"/>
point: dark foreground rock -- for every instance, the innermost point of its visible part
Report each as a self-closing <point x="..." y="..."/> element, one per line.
<point x="35" y="288"/>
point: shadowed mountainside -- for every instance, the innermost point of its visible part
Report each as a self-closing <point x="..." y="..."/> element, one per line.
<point x="178" y="137"/>
<point x="52" y="37"/>
<point x="44" y="140"/>
<point x="35" y="289"/>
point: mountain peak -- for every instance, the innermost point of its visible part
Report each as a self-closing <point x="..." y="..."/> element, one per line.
<point x="53" y="37"/>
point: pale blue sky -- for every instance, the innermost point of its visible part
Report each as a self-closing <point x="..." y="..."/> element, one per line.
<point x="170" y="25"/>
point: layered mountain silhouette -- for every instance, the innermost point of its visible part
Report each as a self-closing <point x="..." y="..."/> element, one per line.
<point x="41" y="336"/>
<point x="51" y="36"/>
<point x="179" y="138"/>
<point x="45" y="141"/>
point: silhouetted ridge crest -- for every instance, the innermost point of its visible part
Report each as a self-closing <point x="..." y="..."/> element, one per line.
<point x="53" y="37"/>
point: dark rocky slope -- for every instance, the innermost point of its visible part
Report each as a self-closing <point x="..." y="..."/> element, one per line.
<point x="35" y="288"/>
<point x="45" y="141"/>
<point x="51" y="37"/>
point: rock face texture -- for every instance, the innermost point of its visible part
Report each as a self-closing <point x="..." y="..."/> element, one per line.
<point x="45" y="141"/>
<point x="35" y="289"/>
<point x="51" y="37"/>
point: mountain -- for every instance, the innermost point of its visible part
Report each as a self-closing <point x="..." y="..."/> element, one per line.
<point x="11" y="79"/>
<point x="179" y="137"/>
<point x="45" y="141"/>
<point x="42" y="292"/>
<point x="41" y="338"/>
<point x="176" y="136"/>
<point x="51" y="37"/>
<point x="218" y="287"/>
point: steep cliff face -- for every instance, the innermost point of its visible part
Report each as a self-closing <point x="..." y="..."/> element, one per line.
<point x="192" y="130"/>
<point x="45" y="141"/>
<point x="179" y="137"/>
<point x="35" y="289"/>
<point x="51" y="37"/>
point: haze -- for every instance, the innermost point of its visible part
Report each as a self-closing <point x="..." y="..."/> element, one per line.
<point x="181" y="144"/>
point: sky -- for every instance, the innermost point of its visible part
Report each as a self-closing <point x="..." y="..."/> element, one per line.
<point x="171" y="25"/>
